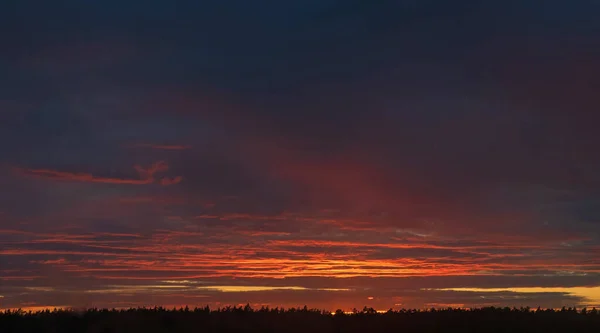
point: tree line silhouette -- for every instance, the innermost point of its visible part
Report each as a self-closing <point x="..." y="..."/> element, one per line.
<point x="305" y="320"/>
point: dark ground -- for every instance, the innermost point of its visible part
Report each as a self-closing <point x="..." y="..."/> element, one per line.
<point x="244" y="319"/>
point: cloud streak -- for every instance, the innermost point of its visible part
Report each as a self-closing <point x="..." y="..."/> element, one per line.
<point x="159" y="147"/>
<point x="147" y="176"/>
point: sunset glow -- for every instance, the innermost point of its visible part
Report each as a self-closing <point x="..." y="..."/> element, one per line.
<point x="334" y="154"/>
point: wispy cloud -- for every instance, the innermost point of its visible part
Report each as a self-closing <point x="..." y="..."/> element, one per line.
<point x="234" y="289"/>
<point x="147" y="175"/>
<point x="159" y="146"/>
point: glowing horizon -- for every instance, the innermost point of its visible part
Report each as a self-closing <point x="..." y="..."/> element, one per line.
<point x="334" y="154"/>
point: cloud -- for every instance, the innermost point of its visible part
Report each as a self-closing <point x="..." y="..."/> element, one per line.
<point x="81" y="177"/>
<point x="171" y="181"/>
<point x="590" y="296"/>
<point x="233" y="289"/>
<point x="383" y="147"/>
<point x="160" y="147"/>
<point x="147" y="176"/>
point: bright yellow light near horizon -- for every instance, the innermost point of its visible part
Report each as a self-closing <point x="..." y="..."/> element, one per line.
<point x="182" y="285"/>
<point x="234" y="289"/>
<point x="117" y="289"/>
<point x="38" y="308"/>
<point x="44" y="289"/>
<point x="351" y="312"/>
<point x="182" y="281"/>
<point x="589" y="294"/>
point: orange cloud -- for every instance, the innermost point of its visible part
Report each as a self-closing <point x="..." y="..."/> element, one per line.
<point x="38" y="308"/>
<point x="186" y="254"/>
<point x="146" y="175"/>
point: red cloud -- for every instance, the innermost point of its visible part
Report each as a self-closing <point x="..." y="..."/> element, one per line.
<point x="146" y="175"/>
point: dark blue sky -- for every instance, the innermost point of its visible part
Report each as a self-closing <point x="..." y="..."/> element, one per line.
<point x="383" y="148"/>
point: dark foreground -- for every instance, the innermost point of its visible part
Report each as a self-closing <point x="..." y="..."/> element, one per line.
<point x="301" y="320"/>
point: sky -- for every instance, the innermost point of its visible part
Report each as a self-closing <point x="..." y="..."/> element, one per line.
<point x="334" y="154"/>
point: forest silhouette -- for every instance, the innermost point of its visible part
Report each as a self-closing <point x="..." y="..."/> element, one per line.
<point x="305" y="320"/>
